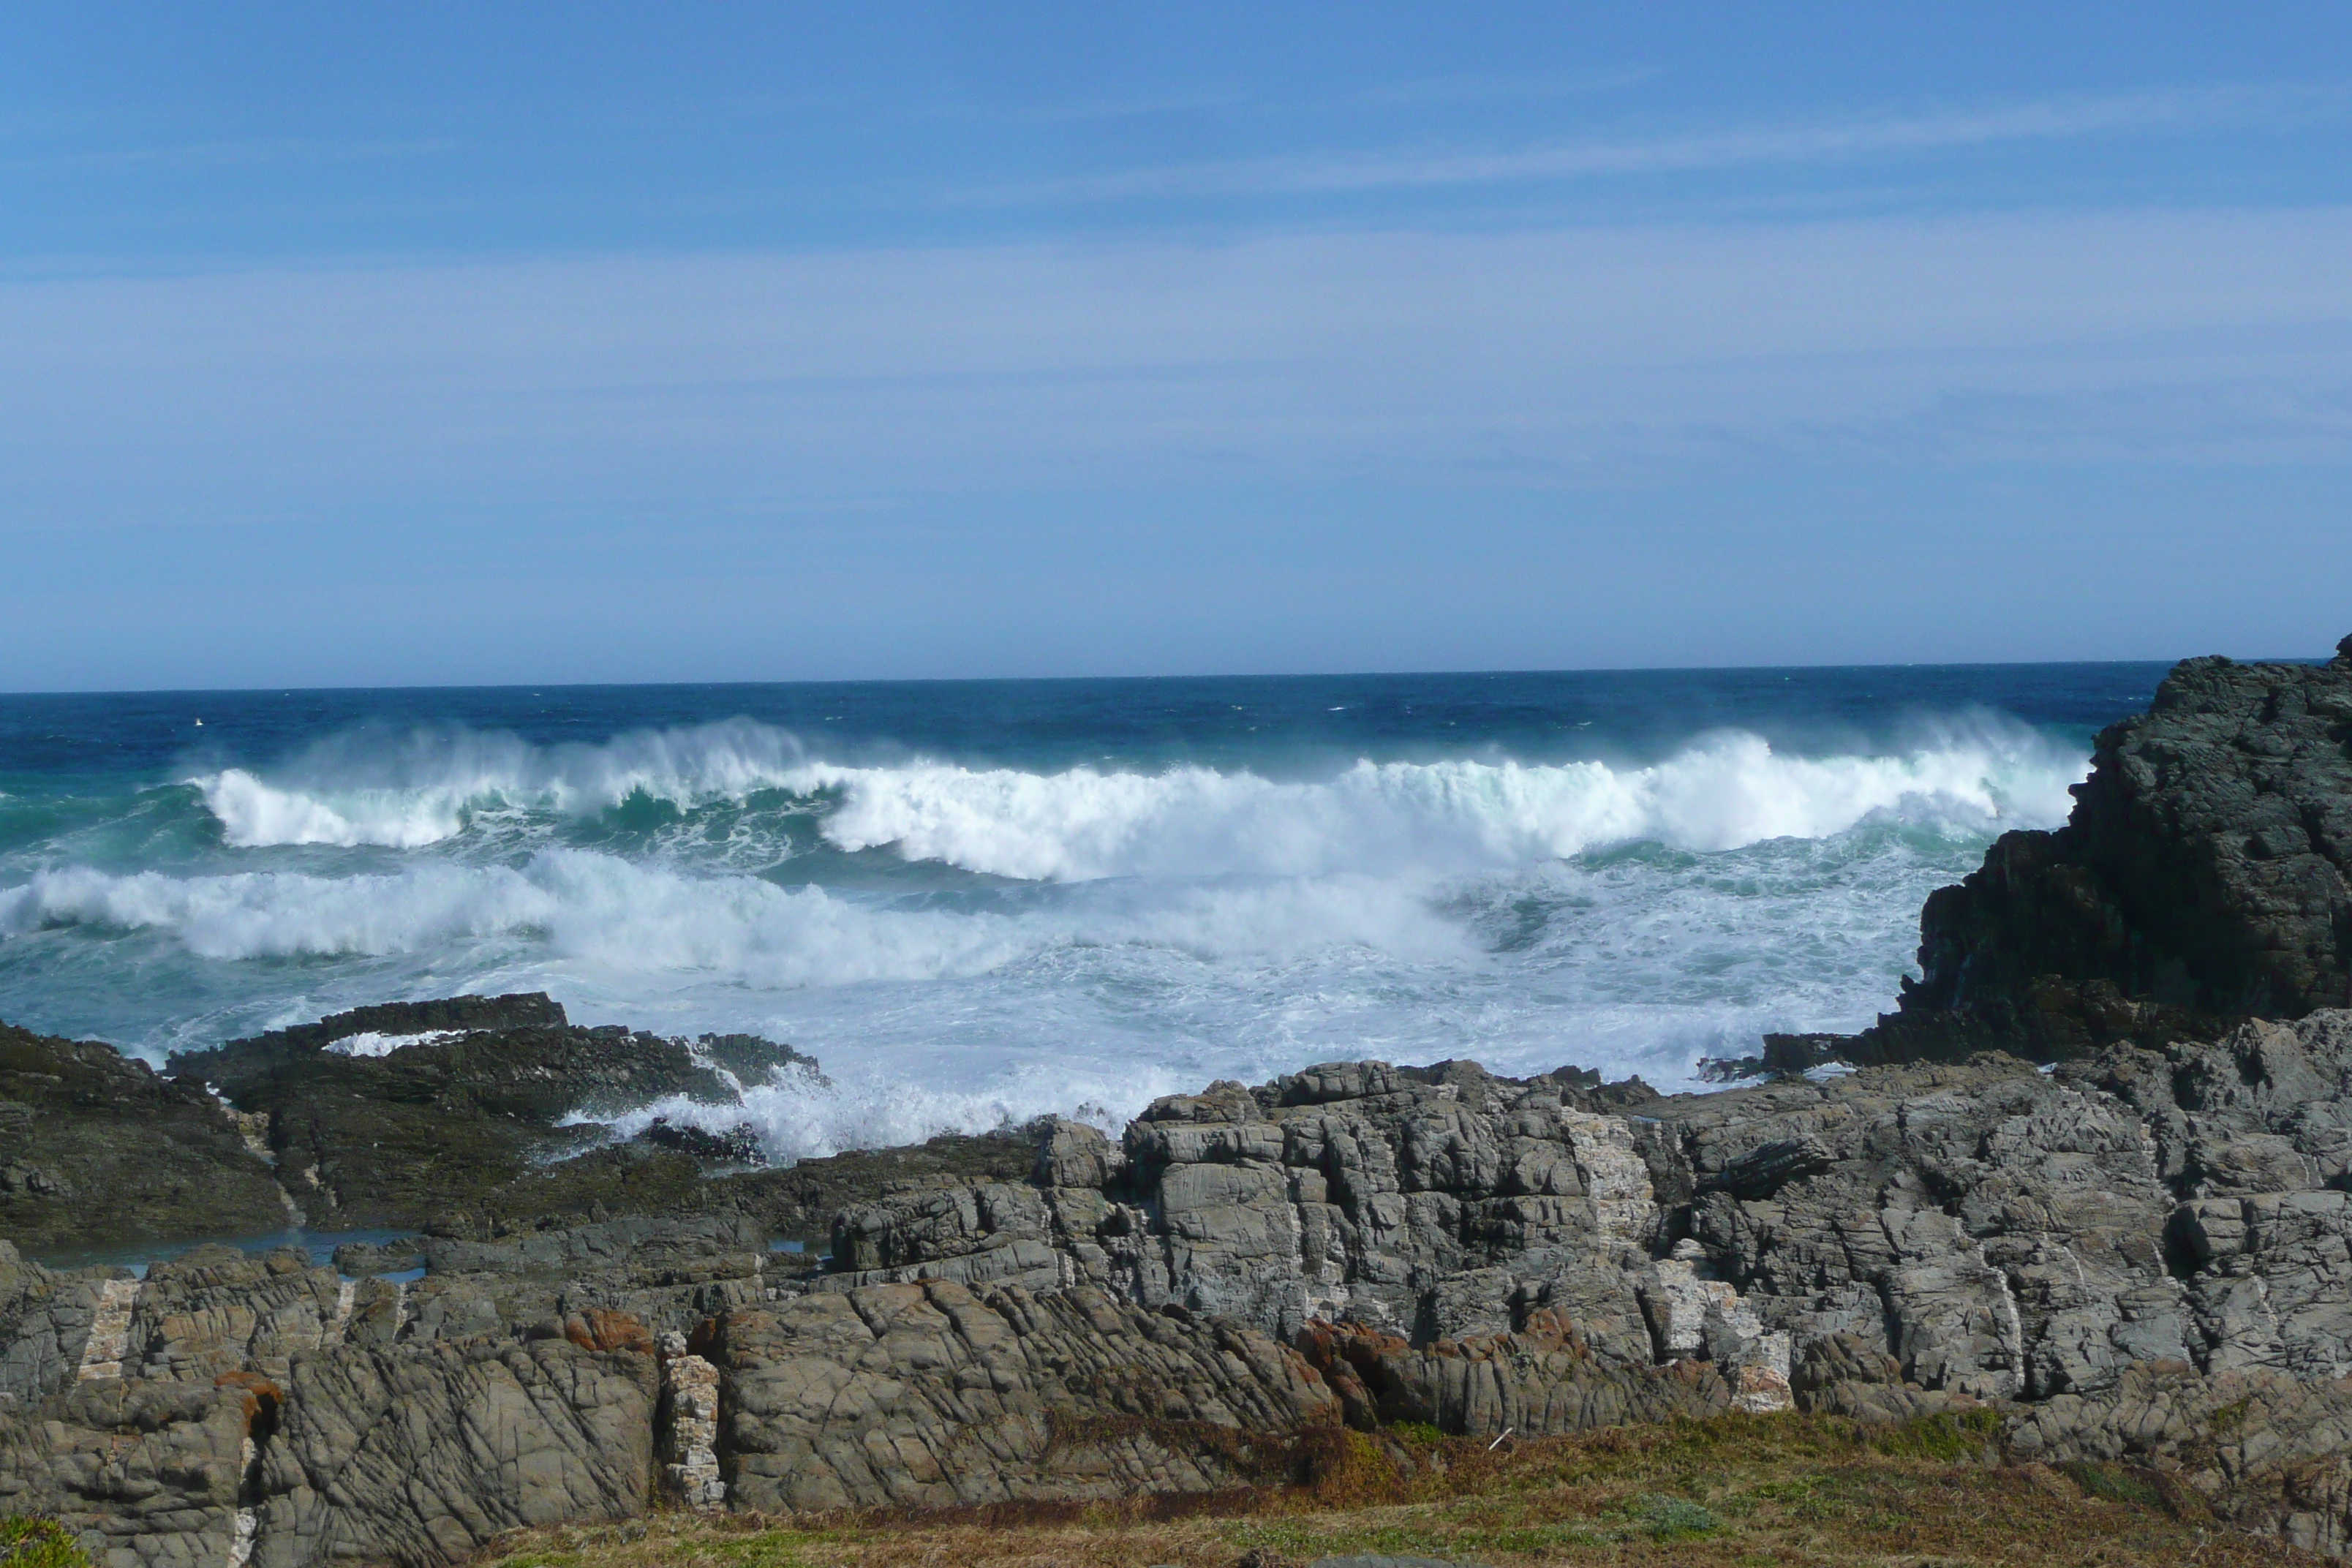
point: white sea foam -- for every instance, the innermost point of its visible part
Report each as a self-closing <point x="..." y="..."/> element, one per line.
<point x="622" y="916"/>
<point x="1380" y="819"/>
<point x="958" y="1012"/>
<point x="1442" y="816"/>
<point x="372" y="1043"/>
<point x="424" y="787"/>
<point x="1159" y="930"/>
<point x="253" y="813"/>
<point x="808" y="1118"/>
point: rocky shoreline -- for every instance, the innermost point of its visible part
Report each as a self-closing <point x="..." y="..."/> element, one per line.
<point x="2092" y="1180"/>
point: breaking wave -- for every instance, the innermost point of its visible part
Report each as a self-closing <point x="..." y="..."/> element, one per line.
<point x="626" y="917"/>
<point x="962" y="937"/>
<point x="1727" y="793"/>
<point x="1724" y="791"/>
<point x="430" y="784"/>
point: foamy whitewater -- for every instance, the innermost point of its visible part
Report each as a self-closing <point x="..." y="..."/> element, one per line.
<point x="993" y="900"/>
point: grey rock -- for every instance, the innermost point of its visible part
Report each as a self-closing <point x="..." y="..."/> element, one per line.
<point x="148" y="1474"/>
<point x="2266" y="1453"/>
<point x="420" y="1455"/>
<point x="930" y="1395"/>
<point x="1357" y="1243"/>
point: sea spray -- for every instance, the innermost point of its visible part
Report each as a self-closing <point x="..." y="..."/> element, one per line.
<point x="982" y="901"/>
<point x="1729" y="789"/>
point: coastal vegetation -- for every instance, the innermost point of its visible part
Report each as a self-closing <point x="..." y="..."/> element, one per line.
<point x="1733" y="1490"/>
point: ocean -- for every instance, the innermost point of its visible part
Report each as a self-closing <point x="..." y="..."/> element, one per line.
<point x="982" y="900"/>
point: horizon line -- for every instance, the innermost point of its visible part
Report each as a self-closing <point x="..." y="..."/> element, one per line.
<point x="537" y="686"/>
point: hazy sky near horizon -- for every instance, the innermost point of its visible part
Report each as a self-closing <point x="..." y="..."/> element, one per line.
<point x="373" y="345"/>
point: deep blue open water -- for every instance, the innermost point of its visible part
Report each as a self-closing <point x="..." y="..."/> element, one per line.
<point x="981" y="900"/>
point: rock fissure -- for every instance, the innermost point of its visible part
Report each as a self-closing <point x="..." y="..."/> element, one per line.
<point x="110" y="1330"/>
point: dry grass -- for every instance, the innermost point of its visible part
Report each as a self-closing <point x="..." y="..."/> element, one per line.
<point x="1737" y="1491"/>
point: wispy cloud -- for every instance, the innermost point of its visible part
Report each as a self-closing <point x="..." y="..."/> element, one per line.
<point x="1489" y="87"/>
<point x="578" y="458"/>
<point x="227" y="152"/>
<point x="1816" y="141"/>
<point x="710" y="382"/>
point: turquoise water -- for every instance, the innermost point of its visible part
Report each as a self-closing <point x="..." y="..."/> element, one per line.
<point x="981" y="900"/>
<point x="318" y="1245"/>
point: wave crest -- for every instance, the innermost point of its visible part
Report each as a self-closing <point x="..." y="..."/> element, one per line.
<point x="1728" y="790"/>
<point x="427" y="785"/>
<point x="1728" y="793"/>
<point x="617" y="917"/>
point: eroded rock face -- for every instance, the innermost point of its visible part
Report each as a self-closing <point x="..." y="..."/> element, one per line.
<point x="149" y="1474"/>
<point x="1542" y="1379"/>
<point x="2143" y="1255"/>
<point x="2204" y="876"/>
<point x="1427" y="1203"/>
<point x="261" y="1404"/>
<point x="2266" y="1453"/>
<point x="419" y="1454"/>
<point x="1481" y="1253"/>
<point x="932" y="1395"/>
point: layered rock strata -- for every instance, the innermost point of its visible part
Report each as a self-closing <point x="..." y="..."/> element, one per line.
<point x="2144" y="1256"/>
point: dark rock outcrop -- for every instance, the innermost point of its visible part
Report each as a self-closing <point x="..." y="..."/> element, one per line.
<point x="2204" y="876"/>
<point x="472" y="1105"/>
<point x="95" y="1147"/>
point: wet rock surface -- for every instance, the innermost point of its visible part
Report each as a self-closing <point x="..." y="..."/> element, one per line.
<point x="403" y="1114"/>
<point x="93" y="1144"/>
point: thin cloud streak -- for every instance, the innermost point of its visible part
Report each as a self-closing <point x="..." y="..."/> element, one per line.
<point x="219" y="154"/>
<point x="1822" y="142"/>
<point x="1491" y="87"/>
<point x="836" y="378"/>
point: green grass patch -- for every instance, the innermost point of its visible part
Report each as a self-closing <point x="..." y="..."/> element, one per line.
<point x="2115" y="1483"/>
<point x="1667" y="1517"/>
<point x="1945" y="1439"/>
<point x="38" y="1543"/>
<point x="1790" y="1489"/>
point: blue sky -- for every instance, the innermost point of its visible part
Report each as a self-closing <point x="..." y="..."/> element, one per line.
<point x="376" y="345"/>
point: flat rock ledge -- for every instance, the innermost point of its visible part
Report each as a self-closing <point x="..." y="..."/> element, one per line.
<point x="2144" y="1256"/>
